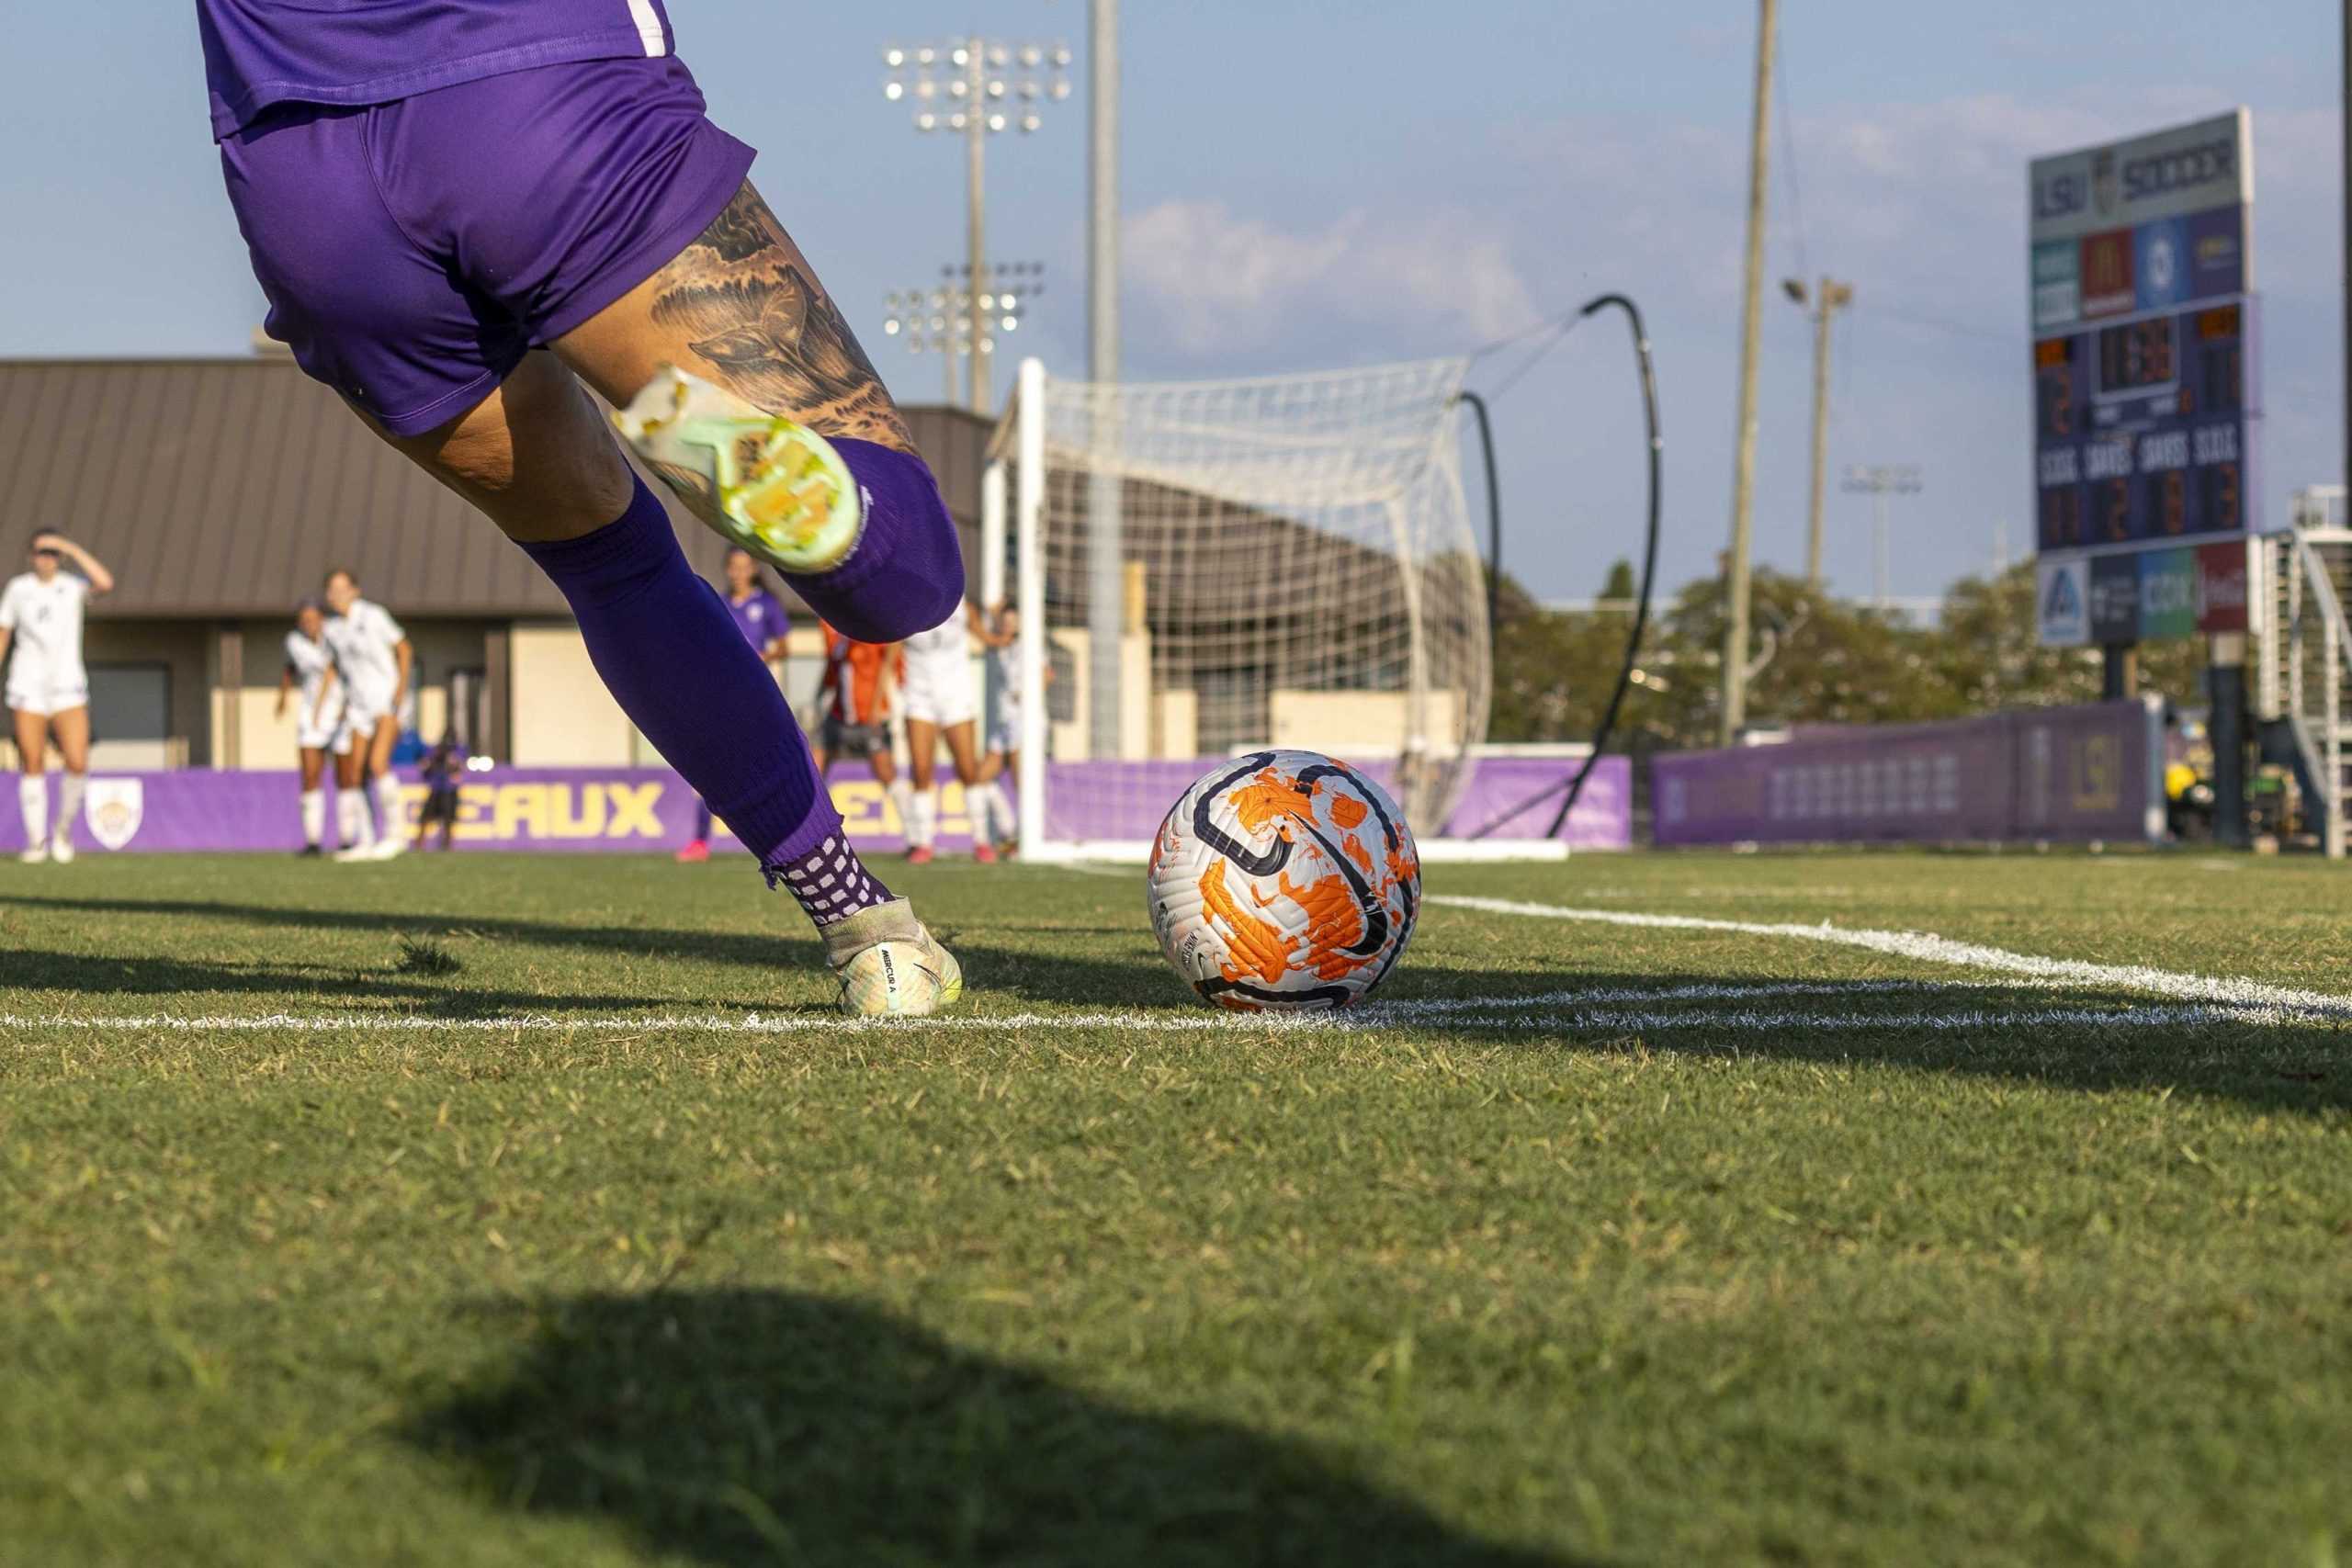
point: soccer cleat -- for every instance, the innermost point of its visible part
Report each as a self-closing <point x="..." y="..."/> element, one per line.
<point x="310" y="851"/>
<point x="695" y="853"/>
<point x="62" y="849"/>
<point x="37" y="855"/>
<point x="920" y="854"/>
<point x="776" y="488"/>
<point x="982" y="853"/>
<point x="354" y="853"/>
<point x="391" y="848"/>
<point x="889" y="966"/>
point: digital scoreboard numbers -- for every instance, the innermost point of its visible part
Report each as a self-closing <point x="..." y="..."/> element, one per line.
<point x="2140" y="429"/>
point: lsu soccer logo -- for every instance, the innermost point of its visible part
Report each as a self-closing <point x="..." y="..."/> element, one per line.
<point x="114" y="808"/>
<point x="1284" y="880"/>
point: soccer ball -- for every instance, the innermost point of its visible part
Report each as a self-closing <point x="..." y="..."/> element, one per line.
<point x="1284" y="880"/>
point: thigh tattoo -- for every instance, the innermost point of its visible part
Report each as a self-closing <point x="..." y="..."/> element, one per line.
<point x="749" y="308"/>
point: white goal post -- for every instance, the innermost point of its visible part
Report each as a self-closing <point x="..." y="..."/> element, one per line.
<point x="1295" y="567"/>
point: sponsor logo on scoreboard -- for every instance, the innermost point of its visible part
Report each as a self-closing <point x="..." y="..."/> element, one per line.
<point x="2062" y="601"/>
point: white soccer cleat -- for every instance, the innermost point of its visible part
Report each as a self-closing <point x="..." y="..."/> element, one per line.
<point x="354" y="854"/>
<point x="37" y="855"/>
<point x="388" y="849"/>
<point x="61" y="850"/>
<point x="775" y="487"/>
<point x="889" y="966"/>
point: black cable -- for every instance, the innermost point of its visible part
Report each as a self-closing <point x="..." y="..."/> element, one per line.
<point x="1494" y="521"/>
<point x="1574" y="787"/>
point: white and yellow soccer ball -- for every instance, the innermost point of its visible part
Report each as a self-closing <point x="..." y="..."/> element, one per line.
<point x="1284" y="880"/>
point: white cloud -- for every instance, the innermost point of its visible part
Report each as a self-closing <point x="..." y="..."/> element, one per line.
<point x="1222" y="283"/>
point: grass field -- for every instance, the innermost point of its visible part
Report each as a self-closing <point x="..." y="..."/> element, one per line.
<point x="508" y="1211"/>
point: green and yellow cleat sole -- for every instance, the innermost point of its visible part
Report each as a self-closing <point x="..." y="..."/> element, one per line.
<point x="773" y="486"/>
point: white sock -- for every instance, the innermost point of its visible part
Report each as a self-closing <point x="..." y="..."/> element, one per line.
<point x="391" y="821"/>
<point x="982" y="804"/>
<point x="32" y="800"/>
<point x="902" y="799"/>
<point x="314" y="816"/>
<point x="925" y="826"/>
<point x="69" y="804"/>
<point x="350" y="819"/>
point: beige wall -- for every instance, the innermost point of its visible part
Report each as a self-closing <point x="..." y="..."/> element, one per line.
<point x="1359" y="724"/>
<point x="561" y="714"/>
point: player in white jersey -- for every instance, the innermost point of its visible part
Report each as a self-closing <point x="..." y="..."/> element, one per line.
<point x="371" y="664"/>
<point x="992" y="817"/>
<point x="48" y="689"/>
<point x="939" y="706"/>
<point x="308" y="682"/>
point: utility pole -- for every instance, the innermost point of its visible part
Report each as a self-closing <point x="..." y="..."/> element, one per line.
<point x="1743" y="482"/>
<point x="1835" y="296"/>
<point x="1105" y="547"/>
<point x="1878" y="482"/>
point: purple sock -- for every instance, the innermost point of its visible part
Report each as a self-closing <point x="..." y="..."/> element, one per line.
<point x="907" y="573"/>
<point x="831" y="883"/>
<point x="670" y="654"/>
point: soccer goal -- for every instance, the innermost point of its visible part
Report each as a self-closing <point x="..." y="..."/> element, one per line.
<point x="1203" y="570"/>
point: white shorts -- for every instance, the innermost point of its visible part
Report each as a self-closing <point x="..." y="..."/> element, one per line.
<point x="362" y="712"/>
<point x="939" y="691"/>
<point x="326" y="735"/>
<point x="41" y="691"/>
<point x="1004" y="735"/>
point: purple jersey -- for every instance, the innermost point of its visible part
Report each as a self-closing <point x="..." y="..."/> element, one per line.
<point x="760" y="618"/>
<point x="260" y="52"/>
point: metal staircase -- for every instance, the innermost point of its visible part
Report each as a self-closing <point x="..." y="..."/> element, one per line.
<point x="2302" y="693"/>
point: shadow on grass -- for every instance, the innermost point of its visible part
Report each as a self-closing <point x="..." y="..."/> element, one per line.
<point x="735" y="1427"/>
<point x="99" y="974"/>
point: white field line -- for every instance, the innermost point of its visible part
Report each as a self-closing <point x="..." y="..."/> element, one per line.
<point x="1926" y="948"/>
<point x="1530" y="1016"/>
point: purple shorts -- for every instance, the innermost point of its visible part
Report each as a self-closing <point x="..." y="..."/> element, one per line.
<point x="413" y="252"/>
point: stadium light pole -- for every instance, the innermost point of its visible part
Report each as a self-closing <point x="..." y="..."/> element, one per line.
<point x="1878" y="481"/>
<point x="938" y="319"/>
<point x="1105" y="547"/>
<point x="970" y="74"/>
<point x="1742" y="481"/>
<point x="1835" y="296"/>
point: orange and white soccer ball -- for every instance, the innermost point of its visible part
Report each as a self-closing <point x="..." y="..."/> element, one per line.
<point x="1284" y="880"/>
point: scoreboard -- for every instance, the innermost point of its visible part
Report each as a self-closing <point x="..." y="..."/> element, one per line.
<point x="2140" y="429"/>
<point x="2145" y="392"/>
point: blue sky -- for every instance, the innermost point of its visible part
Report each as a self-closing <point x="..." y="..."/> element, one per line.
<point x="1310" y="184"/>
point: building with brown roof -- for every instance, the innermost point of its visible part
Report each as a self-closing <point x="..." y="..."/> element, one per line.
<point x="221" y="491"/>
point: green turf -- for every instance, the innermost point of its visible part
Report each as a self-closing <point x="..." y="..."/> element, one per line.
<point x="619" y="1293"/>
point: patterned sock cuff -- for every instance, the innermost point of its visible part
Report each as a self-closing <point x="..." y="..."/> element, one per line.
<point x="830" y="881"/>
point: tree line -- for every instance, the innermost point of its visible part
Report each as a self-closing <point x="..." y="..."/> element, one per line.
<point x="1815" y="659"/>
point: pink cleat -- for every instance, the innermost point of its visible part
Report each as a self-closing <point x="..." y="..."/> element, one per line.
<point x="920" y="855"/>
<point x="695" y="853"/>
<point x="984" y="853"/>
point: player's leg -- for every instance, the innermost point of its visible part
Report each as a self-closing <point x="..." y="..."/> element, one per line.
<point x="922" y="801"/>
<point x="980" y="797"/>
<point x="356" y="828"/>
<point x="69" y="727"/>
<point x="32" y="782"/>
<point x="392" y="835"/>
<point x="739" y="307"/>
<point x="314" y="799"/>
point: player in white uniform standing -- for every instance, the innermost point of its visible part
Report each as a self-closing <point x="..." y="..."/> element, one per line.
<point x="991" y="813"/>
<point x="48" y="690"/>
<point x="371" y="662"/>
<point x="938" y="706"/>
<point x="305" y="681"/>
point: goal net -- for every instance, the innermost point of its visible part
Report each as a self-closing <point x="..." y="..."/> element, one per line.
<point x="1203" y="570"/>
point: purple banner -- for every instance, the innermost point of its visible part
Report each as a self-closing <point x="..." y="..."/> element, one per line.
<point x="2074" y="773"/>
<point x="642" y="809"/>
